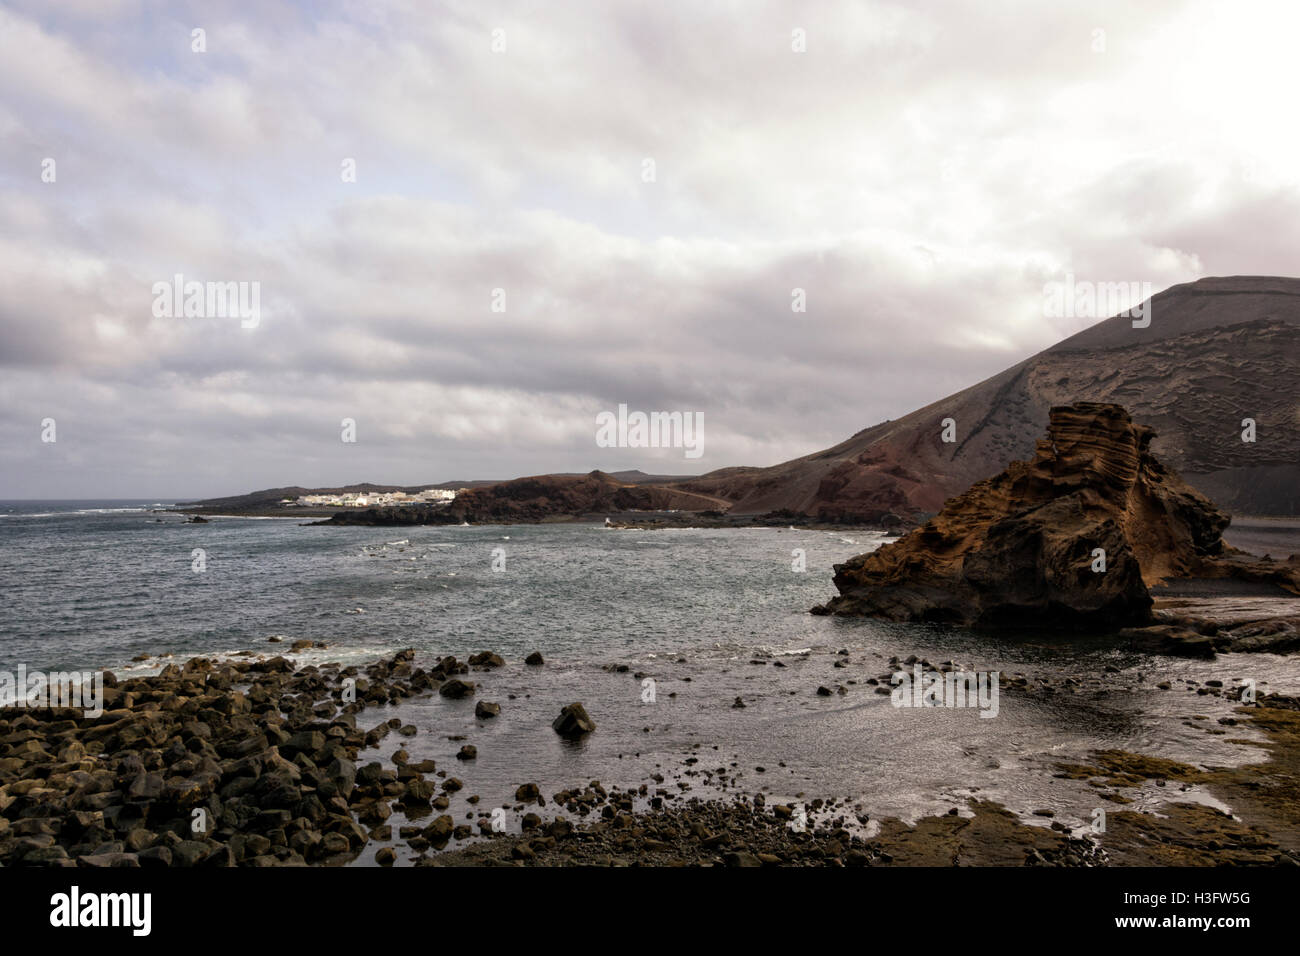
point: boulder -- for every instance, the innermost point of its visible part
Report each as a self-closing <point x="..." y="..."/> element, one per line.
<point x="573" y="722"/>
<point x="417" y="792"/>
<point x="440" y="830"/>
<point x="308" y="742"/>
<point x="527" y="793"/>
<point x="145" y="786"/>
<point x="456" y="688"/>
<point x="340" y="777"/>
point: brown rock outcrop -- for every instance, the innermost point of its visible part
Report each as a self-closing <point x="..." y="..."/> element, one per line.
<point x="573" y="722"/>
<point x="1070" y="539"/>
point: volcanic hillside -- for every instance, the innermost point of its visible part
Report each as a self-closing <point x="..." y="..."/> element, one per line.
<point x="1216" y="351"/>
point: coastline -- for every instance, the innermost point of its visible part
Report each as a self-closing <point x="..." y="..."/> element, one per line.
<point x="286" y="773"/>
<point x="1255" y="534"/>
<point x="623" y="521"/>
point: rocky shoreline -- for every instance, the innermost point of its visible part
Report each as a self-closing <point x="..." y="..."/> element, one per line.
<point x="440" y="516"/>
<point x="621" y="520"/>
<point x="256" y="762"/>
<point x="792" y="519"/>
<point x="254" y="512"/>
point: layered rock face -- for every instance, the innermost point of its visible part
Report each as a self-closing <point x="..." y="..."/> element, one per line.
<point x="1071" y="538"/>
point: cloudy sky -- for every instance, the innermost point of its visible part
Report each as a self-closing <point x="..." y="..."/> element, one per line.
<point x="920" y="170"/>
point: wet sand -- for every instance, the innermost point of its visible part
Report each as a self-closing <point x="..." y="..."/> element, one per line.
<point x="1277" y="537"/>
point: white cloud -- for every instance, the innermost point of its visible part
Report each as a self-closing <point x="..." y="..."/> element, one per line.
<point x="919" y="172"/>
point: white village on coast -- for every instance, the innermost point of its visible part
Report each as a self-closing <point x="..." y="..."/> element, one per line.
<point x="374" y="499"/>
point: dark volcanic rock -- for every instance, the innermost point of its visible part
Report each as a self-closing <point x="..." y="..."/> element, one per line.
<point x="573" y="722"/>
<point x="1023" y="548"/>
<point x="535" y="498"/>
<point x="527" y="792"/>
<point x="456" y="688"/>
<point x="183" y="769"/>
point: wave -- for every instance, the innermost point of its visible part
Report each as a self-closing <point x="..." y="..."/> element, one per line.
<point x="83" y="513"/>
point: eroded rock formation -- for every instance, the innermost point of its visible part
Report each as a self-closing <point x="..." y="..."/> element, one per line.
<point x="1027" y="547"/>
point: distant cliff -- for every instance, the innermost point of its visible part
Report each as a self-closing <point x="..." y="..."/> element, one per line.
<point x="538" y="498"/>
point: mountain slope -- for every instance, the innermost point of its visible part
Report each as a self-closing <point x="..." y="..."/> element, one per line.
<point x="1217" y="351"/>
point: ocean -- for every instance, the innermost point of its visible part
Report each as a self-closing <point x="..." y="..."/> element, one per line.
<point x="705" y="616"/>
<point x="94" y="583"/>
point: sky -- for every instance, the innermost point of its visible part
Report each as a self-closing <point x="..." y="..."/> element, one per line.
<point x="474" y="227"/>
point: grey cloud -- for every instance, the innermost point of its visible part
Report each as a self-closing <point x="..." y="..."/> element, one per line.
<point x="919" y="172"/>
